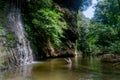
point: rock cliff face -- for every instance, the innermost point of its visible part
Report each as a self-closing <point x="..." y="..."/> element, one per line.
<point x="69" y="8"/>
<point x="45" y="48"/>
<point x="12" y="35"/>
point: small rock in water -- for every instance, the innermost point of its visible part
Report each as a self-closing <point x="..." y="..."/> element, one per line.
<point x="68" y="60"/>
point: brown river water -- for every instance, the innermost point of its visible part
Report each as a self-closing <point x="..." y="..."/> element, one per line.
<point x="58" y="69"/>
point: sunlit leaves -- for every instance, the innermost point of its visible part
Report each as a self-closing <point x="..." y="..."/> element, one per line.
<point x="49" y="21"/>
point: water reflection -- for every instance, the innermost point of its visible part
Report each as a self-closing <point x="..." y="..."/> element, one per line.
<point x="57" y="69"/>
<point x="21" y="73"/>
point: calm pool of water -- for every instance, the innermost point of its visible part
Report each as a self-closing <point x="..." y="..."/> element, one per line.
<point x="57" y="69"/>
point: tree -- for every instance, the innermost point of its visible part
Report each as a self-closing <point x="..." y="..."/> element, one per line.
<point x="107" y="12"/>
<point x="83" y="24"/>
<point x="107" y="31"/>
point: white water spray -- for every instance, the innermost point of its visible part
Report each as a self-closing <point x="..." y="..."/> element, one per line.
<point x="23" y="49"/>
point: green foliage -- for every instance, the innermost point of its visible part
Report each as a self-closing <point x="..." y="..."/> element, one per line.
<point x="83" y="24"/>
<point x="10" y="36"/>
<point x="101" y="34"/>
<point x="107" y="12"/>
<point x="102" y="37"/>
<point x="49" y="21"/>
<point x="34" y="5"/>
<point x="44" y="24"/>
<point x="98" y="38"/>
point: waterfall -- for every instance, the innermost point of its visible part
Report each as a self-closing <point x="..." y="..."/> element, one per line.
<point x="23" y="52"/>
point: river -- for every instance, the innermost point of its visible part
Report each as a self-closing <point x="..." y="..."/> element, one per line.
<point x="58" y="69"/>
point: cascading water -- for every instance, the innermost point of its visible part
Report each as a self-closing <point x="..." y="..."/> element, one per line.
<point x="23" y="52"/>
